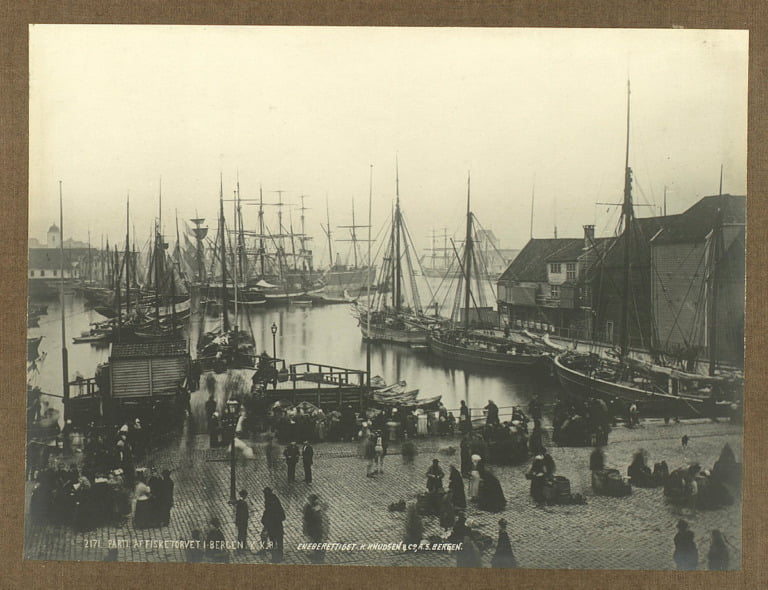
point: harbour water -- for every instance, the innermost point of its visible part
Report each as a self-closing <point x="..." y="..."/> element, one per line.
<point x="323" y="334"/>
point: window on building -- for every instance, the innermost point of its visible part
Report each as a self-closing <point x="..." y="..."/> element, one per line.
<point x="554" y="291"/>
<point x="555" y="268"/>
<point x="586" y="295"/>
<point x="570" y="271"/>
<point x="31" y="273"/>
<point x="55" y="273"/>
<point x="42" y="273"/>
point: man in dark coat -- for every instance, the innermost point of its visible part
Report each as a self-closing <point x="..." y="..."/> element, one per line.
<point x="291" y="455"/>
<point x="272" y="519"/>
<point x="164" y="495"/>
<point x="534" y="408"/>
<point x="466" y="454"/>
<point x="242" y="513"/>
<point x="210" y="407"/>
<point x="492" y="416"/>
<point x="464" y="420"/>
<point x="214" y="429"/>
<point x="307" y="457"/>
<point x="156" y="486"/>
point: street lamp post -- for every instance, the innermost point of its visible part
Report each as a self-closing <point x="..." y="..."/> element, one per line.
<point x="232" y="475"/>
<point x="273" y="328"/>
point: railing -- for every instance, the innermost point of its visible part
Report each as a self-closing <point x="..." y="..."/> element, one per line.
<point x="326" y="374"/>
<point x="82" y="386"/>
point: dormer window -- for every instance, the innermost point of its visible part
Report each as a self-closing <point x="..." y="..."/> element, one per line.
<point x="555" y="268"/>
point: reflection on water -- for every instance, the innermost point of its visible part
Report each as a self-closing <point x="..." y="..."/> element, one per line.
<point x="328" y="335"/>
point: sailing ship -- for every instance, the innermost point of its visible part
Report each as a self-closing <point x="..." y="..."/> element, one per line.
<point x="344" y="281"/>
<point x="228" y="347"/>
<point x="395" y="314"/>
<point x="439" y="262"/>
<point x="469" y="338"/>
<point x="640" y="375"/>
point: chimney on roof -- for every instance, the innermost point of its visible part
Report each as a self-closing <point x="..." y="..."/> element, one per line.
<point x="589" y="236"/>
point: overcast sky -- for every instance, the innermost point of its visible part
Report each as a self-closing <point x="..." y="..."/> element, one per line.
<point x="308" y="110"/>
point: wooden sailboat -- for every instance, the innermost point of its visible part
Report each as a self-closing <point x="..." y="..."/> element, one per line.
<point x="624" y="374"/>
<point x="396" y="316"/>
<point x="464" y="340"/>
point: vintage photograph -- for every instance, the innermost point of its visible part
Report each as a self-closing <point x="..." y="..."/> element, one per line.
<point x="443" y="297"/>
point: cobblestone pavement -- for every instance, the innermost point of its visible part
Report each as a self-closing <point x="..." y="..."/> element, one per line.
<point x="634" y="532"/>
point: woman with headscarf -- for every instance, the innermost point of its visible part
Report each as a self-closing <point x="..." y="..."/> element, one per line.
<point x="469" y="555"/>
<point x="686" y="554"/>
<point x="142" y="515"/>
<point x="435" y="477"/>
<point x="456" y="488"/>
<point x="474" y="477"/>
<point x="491" y="496"/>
<point x="718" y="552"/>
<point x="447" y="513"/>
<point x="503" y="557"/>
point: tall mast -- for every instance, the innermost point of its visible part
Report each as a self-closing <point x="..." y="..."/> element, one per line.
<point x="90" y="269"/>
<point x="328" y="231"/>
<point x="398" y="269"/>
<point x="118" y="304"/>
<point x="368" y="278"/>
<point x="236" y="258"/>
<point x="714" y="255"/>
<point x="627" y="239"/>
<point x="127" y="254"/>
<point x="354" y="234"/>
<point x="159" y="252"/>
<point x="261" y="231"/>
<point x="533" y="196"/>
<point x="64" y="352"/>
<point x="721" y="180"/>
<point x="467" y="260"/>
<point x="225" y="312"/>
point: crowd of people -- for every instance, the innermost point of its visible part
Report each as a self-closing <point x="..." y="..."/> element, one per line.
<point x="108" y="485"/>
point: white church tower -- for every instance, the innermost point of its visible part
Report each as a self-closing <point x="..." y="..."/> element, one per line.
<point x="54" y="236"/>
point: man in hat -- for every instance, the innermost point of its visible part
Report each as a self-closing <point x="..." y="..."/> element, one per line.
<point x="492" y="413"/>
<point x="307" y="456"/>
<point x="214" y="427"/>
<point x="242" y="514"/>
<point x="291" y="456"/>
<point x="165" y="497"/>
<point x="272" y="519"/>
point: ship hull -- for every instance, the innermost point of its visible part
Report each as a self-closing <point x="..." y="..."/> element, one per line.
<point x="470" y="356"/>
<point x="409" y="336"/>
<point x="580" y="384"/>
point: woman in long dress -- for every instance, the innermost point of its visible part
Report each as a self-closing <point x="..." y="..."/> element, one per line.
<point x="491" y="495"/>
<point x="456" y="488"/>
<point x="142" y="516"/>
<point x="474" y="478"/>
<point x="503" y="557"/>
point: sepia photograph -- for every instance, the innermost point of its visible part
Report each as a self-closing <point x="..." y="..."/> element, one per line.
<point x="386" y="296"/>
